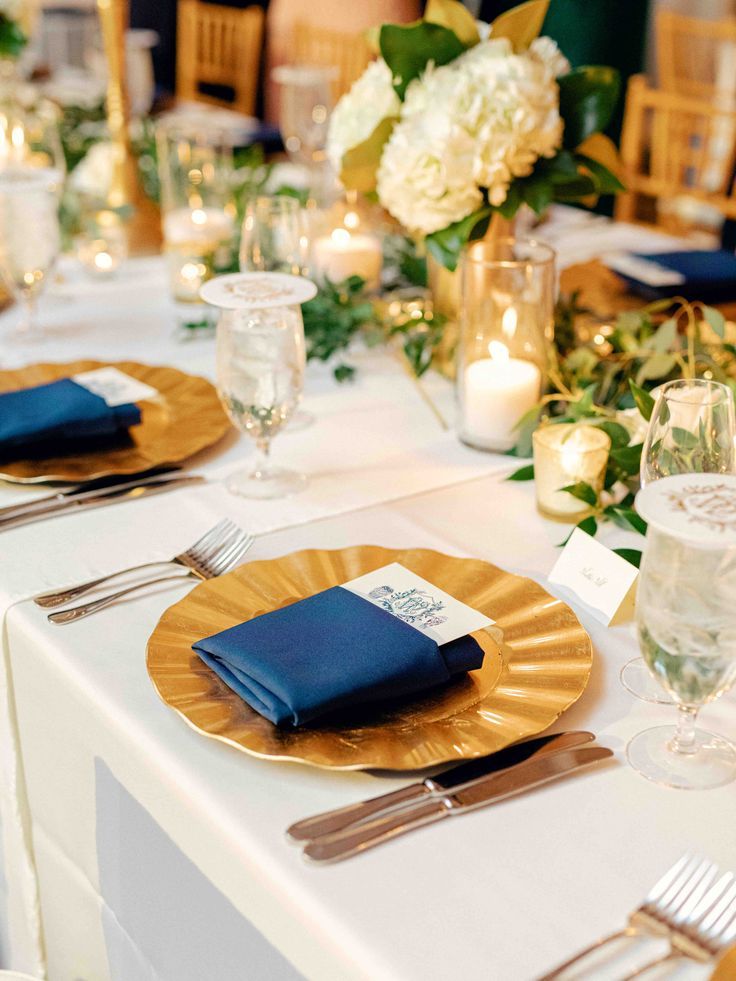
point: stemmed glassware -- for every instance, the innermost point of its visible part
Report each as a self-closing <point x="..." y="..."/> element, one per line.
<point x="691" y="430"/>
<point x="686" y="618"/>
<point x="260" y="367"/>
<point x="30" y="236"/>
<point x="274" y="236"/>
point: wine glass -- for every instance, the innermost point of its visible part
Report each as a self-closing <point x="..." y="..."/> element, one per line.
<point x="260" y="367"/>
<point x="686" y="619"/>
<point x="274" y="237"/>
<point x="691" y="430"/>
<point x="30" y="236"/>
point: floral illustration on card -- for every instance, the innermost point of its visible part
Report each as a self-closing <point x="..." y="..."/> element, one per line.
<point x="416" y="607"/>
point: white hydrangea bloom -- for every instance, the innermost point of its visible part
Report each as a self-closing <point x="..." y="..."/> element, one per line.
<point x="93" y="174"/>
<point x="546" y="51"/>
<point x="476" y="123"/>
<point x="370" y="99"/>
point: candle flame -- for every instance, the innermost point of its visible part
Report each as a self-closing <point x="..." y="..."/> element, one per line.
<point x="352" y="219"/>
<point x="509" y="321"/>
<point x="199" y="217"/>
<point x="340" y="236"/>
<point x="498" y="351"/>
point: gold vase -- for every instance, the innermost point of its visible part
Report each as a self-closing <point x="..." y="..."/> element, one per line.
<point x="445" y="289"/>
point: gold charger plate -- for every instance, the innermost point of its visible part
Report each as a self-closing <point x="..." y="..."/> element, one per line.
<point x="186" y="417"/>
<point x="537" y="663"/>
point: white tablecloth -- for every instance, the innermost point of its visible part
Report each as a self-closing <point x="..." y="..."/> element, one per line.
<point x="161" y="855"/>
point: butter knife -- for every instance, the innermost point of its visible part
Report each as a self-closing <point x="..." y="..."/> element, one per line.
<point x="450" y="780"/>
<point x="481" y="793"/>
<point x="126" y="492"/>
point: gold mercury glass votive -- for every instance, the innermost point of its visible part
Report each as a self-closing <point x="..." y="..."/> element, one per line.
<point x="566" y="454"/>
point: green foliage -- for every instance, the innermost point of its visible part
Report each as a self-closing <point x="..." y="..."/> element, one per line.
<point x="447" y="244"/>
<point x="333" y="319"/>
<point x="12" y="38"/>
<point x="406" y="49"/>
<point x="588" y="98"/>
<point x="632" y="555"/>
<point x="583" y="492"/>
<point x="523" y="473"/>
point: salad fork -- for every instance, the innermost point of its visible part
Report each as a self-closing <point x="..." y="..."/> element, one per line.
<point x="230" y="546"/>
<point x="682" y="882"/>
<point x="196" y="553"/>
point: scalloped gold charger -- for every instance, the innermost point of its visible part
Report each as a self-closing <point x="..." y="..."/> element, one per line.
<point x="537" y="663"/>
<point x="186" y="417"/>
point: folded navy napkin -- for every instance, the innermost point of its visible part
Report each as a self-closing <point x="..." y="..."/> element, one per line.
<point x="332" y="650"/>
<point x="707" y="275"/>
<point x="62" y="411"/>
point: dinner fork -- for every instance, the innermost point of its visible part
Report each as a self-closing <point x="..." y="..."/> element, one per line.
<point x="703" y="927"/>
<point x="652" y="917"/>
<point x="205" y="564"/>
<point x="202" y="548"/>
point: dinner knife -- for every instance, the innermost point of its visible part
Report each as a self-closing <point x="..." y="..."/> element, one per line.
<point x="480" y="793"/>
<point x="450" y="780"/>
<point x="87" y="489"/>
<point x="84" y="502"/>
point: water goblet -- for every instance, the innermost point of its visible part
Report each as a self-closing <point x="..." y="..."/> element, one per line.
<point x="691" y="430"/>
<point x="686" y="620"/>
<point x="274" y="237"/>
<point x="30" y="236"/>
<point x="260" y="367"/>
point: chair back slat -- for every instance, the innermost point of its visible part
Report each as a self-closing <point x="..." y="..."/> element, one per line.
<point x="348" y="53"/>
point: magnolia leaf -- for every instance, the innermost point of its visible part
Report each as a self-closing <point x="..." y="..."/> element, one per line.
<point x="716" y="320"/>
<point x="512" y="203"/>
<point x="588" y="97"/>
<point x="522" y="24"/>
<point x="407" y="49"/>
<point x="601" y="157"/>
<point x="575" y="190"/>
<point x="665" y="336"/>
<point x="456" y="17"/>
<point x="447" y="244"/>
<point x="538" y="193"/>
<point x="373" y="39"/>
<point x="523" y="473"/>
<point x="360" y="163"/>
<point x="657" y="365"/>
<point x="644" y="401"/>
<point x="582" y="491"/>
<point x="632" y="555"/>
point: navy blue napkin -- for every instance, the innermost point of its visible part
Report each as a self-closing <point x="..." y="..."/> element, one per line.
<point x="708" y="275"/>
<point x="62" y="411"/>
<point x="332" y="650"/>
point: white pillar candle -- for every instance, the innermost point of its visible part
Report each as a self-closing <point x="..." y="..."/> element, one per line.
<point x="203" y="226"/>
<point x="343" y="254"/>
<point x="497" y="392"/>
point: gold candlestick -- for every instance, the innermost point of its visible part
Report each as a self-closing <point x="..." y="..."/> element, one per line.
<point x="143" y="228"/>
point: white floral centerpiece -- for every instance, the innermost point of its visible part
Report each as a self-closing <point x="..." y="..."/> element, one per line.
<point x="448" y="126"/>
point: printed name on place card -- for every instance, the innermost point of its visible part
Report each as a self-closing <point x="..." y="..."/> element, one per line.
<point x="603" y="580"/>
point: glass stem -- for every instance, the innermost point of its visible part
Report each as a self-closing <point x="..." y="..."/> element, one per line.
<point x="683" y="741"/>
<point x="28" y="310"/>
<point x="263" y="449"/>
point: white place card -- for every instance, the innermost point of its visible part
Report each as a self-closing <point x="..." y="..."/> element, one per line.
<point x="114" y="386"/>
<point x="418" y="603"/>
<point x="603" y="580"/>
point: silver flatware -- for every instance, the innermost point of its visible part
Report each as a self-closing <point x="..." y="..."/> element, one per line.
<point x="101" y="498"/>
<point x="656" y="913"/>
<point x="87" y="488"/>
<point x="223" y="551"/>
<point x="481" y="793"/>
<point x="704" y="925"/>
<point x="451" y="779"/>
<point x="191" y="558"/>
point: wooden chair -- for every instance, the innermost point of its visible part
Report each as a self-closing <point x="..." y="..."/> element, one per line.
<point x="696" y="57"/>
<point x="674" y="146"/>
<point x="348" y="53"/>
<point x="219" y="46"/>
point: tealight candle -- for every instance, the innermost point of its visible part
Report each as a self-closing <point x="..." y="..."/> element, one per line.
<point x="344" y="253"/>
<point x="567" y="454"/>
<point x="203" y="226"/>
<point x="497" y="391"/>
